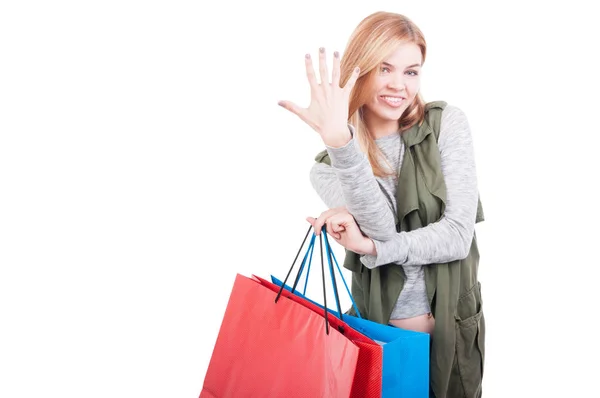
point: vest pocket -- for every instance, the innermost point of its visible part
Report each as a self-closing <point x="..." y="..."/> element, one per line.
<point x="470" y="338"/>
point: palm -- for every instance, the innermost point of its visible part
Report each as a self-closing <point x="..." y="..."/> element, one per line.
<point x="327" y="113"/>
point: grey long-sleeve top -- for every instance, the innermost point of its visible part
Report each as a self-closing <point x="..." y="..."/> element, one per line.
<point x="350" y="182"/>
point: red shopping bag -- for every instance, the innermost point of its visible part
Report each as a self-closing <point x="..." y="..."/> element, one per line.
<point x="277" y="349"/>
<point x="369" y="368"/>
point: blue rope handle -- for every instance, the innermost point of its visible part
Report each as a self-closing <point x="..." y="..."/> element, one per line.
<point x="330" y="255"/>
<point x="311" y="248"/>
<point x="311" y="251"/>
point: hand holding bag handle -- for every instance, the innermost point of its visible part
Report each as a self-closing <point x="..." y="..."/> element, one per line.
<point x="310" y="250"/>
<point x="330" y="256"/>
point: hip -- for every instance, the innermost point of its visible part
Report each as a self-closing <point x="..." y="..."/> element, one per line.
<point x="420" y="323"/>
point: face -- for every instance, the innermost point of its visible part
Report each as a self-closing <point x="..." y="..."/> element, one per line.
<point x="394" y="88"/>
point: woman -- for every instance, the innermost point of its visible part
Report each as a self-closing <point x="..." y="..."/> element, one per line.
<point x="399" y="178"/>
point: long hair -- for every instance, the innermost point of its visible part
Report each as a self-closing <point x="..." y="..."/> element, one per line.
<point x="374" y="39"/>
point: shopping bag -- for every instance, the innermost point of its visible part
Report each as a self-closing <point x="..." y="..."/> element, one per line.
<point x="368" y="374"/>
<point x="268" y="349"/>
<point x="405" y="362"/>
<point x="269" y="345"/>
<point x="367" y="378"/>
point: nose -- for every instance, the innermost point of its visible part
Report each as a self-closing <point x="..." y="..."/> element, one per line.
<point x="397" y="82"/>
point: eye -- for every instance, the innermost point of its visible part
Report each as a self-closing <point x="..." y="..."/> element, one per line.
<point x="383" y="69"/>
<point x="413" y="71"/>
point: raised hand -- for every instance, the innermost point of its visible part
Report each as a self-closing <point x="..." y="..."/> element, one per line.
<point x="327" y="113"/>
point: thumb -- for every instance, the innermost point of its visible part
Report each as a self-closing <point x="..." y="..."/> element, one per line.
<point x="338" y="227"/>
<point x="290" y="106"/>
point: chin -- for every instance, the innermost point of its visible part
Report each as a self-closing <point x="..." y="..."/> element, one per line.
<point x="392" y="115"/>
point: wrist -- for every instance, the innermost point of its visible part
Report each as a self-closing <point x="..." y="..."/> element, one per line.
<point x="337" y="140"/>
<point x="369" y="247"/>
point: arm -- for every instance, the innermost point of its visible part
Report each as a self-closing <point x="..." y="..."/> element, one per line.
<point x="350" y="182"/>
<point x="449" y="238"/>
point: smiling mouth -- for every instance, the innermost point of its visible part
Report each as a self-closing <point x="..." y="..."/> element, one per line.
<point x="394" y="102"/>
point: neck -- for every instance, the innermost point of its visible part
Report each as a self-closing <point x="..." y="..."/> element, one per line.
<point x="383" y="131"/>
<point x="381" y="128"/>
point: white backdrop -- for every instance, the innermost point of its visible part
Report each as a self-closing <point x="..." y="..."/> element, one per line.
<point x="144" y="162"/>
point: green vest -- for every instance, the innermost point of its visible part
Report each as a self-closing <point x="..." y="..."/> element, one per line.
<point x="454" y="292"/>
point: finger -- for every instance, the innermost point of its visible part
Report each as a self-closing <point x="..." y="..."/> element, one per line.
<point x="335" y="225"/>
<point x="310" y="74"/>
<point x="331" y="228"/>
<point x="295" y="109"/>
<point x="336" y="235"/>
<point x="322" y="218"/>
<point x="335" y="76"/>
<point x="302" y="113"/>
<point x="323" y="71"/>
<point x="339" y="228"/>
<point x="352" y="81"/>
<point x="339" y="218"/>
<point x="316" y="229"/>
<point x="318" y="225"/>
<point x="338" y="238"/>
<point x="320" y="221"/>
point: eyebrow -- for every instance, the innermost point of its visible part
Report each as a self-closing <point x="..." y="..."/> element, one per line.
<point x="410" y="66"/>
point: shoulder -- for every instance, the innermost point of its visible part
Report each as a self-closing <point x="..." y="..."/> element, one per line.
<point x="453" y="114"/>
<point x="454" y="128"/>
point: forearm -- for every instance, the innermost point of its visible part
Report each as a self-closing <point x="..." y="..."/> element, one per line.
<point x="440" y="242"/>
<point x="350" y="182"/>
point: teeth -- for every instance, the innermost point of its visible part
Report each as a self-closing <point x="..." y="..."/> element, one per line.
<point x="392" y="99"/>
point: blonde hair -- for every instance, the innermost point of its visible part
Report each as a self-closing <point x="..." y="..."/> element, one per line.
<point x="373" y="40"/>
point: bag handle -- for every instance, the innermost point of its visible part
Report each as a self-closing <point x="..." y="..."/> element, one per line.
<point x="294" y="262"/>
<point x="330" y="255"/>
<point x="310" y="248"/>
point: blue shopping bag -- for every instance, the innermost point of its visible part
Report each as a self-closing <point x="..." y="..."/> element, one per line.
<point x="405" y="352"/>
